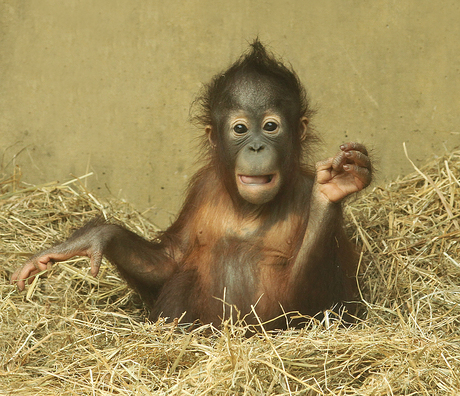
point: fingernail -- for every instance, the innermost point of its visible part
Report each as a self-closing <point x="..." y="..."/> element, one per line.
<point x="346" y="167"/>
<point x="342" y="147"/>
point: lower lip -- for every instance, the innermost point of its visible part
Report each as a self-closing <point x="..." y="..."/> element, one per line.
<point x="256" y="180"/>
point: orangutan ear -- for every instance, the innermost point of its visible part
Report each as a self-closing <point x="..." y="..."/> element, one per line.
<point x="303" y="128"/>
<point x="210" y="133"/>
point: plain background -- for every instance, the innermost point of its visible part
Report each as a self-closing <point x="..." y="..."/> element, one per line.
<point x="106" y="86"/>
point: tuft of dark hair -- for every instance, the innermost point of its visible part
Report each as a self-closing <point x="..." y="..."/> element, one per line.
<point x="257" y="61"/>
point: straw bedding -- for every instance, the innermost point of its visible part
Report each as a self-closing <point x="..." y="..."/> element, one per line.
<point x="71" y="334"/>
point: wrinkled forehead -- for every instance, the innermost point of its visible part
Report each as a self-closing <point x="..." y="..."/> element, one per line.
<point x="258" y="93"/>
<point x="255" y="94"/>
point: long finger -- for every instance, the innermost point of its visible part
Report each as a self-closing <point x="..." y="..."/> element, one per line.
<point x="324" y="171"/>
<point x="36" y="264"/>
<point x="28" y="271"/>
<point x="325" y="164"/>
<point x="339" y="161"/>
<point x="96" y="260"/>
<point x="360" y="173"/>
<point x="358" y="158"/>
<point x="354" y="146"/>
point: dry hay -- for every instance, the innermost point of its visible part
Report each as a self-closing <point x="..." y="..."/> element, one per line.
<point x="72" y="334"/>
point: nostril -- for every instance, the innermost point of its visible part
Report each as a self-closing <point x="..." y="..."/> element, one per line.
<point x="256" y="147"/>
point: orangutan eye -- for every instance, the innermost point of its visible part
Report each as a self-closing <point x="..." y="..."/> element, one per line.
<point x="240" y="128"/>
<point x="270" y="126"/>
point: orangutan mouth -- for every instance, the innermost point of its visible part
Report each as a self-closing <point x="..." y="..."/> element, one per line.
<point x="264" y="179"/>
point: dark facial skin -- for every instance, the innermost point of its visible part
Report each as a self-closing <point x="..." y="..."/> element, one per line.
<point x="257" y="137"/>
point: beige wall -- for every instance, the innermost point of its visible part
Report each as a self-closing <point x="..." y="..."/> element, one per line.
<point x="106" y="85"/>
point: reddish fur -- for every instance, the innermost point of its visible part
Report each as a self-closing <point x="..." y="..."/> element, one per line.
<point x="215" y="235"/>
